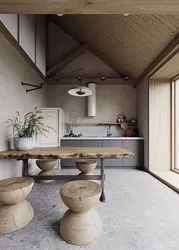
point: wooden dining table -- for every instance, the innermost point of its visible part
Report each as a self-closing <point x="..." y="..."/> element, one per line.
<point x="101" y="153"/>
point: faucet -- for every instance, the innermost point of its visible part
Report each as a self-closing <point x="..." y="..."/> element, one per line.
<point x="109" y="133"/>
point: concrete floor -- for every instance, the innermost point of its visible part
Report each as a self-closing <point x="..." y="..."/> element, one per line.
<point x="140" y="213"/>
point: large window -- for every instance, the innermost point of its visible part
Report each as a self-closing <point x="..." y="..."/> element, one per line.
<point x="175" y="124"/>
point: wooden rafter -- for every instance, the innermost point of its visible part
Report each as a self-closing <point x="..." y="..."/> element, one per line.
<point x="101" y="56"/>
<point x="160" y="60"/>
<point x="85" y="80"/>
<point x="89" y="7"/>
<point x="67" y="59"/>
<point x="5" y="32"/>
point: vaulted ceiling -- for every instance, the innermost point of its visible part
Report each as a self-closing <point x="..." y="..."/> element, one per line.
<point x="129" y="43"/>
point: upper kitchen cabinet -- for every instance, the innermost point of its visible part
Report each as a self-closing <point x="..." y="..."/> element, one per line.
<point x="41" y="43"/>
<point x="11" y="23"/>
<point x="27" y="34"/>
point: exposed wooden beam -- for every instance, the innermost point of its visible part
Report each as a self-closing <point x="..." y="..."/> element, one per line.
<point x="89" y="7"/>
<point x="79" y="39"/>
<point x="86" y="80"/>
<point x="160" y="60"/>
<point x="67" y="59"/>
<point x="4" y="31"/>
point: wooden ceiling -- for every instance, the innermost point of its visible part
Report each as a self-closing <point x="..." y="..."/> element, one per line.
<point x="169" y="70"/>
<point x="130" y="43"/>
<point x="89" y="6"/>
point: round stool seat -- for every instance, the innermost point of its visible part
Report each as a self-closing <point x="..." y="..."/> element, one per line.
<point x="15" y="190"/>
<point x="15" y="211"/>
<point x="80" y="196"/>
<point x="86" y="166"/>
<point x="46" y="164"/>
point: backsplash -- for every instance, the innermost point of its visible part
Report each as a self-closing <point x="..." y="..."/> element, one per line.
<point x="98" y="131"/>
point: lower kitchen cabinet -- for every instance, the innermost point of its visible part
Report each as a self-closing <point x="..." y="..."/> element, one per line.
<point x="69" y="143"/>
<point x="134" y="146"/>
<point x="92" y="143"/>
<point x="112" y="162"/>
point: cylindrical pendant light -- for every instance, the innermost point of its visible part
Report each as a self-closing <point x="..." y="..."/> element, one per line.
<point x="92" y="100"/>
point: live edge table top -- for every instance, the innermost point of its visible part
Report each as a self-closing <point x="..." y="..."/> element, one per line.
<point x="68" y="153"/>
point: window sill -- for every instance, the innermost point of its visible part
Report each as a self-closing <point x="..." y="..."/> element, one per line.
<point x="170" y="178"/>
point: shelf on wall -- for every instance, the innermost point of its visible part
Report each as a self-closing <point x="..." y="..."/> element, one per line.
<point x="100" y="124"/>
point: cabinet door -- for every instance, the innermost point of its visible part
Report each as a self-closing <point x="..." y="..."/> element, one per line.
<point x="136" y="147"/>
<point x="27" y="34"/>
<point x="41" y="43"/>
<point x="11" y="23"/>
<point x="92" y="143"/>
<point x="112" y="162"/>
<point x="51" y="119"/>
<point x="69" y="143"/>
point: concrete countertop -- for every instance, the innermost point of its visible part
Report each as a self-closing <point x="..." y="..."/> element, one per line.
<point x="102" y="138"/>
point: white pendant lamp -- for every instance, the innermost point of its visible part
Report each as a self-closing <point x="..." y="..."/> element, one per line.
<point x="80" y="90"/>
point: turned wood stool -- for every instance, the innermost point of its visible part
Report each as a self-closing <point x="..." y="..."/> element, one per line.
<point x="15" y="211"/>
<point x="81" y="224"/>
<point x="86" y="166"/>
<point x="46" y="165"/>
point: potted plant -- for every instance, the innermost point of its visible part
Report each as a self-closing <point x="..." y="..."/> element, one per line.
<point x="25" y="130"/>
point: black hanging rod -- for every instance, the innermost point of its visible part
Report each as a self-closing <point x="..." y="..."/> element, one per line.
<point x="32" y="85"/>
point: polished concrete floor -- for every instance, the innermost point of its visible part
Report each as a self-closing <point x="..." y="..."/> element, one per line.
<point x="140" y="213"/>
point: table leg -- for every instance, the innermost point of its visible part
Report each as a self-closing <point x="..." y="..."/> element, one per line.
<point x="25" y="167"/>
<point x="102" y="198"/>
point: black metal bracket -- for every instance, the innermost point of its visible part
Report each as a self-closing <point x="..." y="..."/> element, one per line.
<point x="32" y="85"/>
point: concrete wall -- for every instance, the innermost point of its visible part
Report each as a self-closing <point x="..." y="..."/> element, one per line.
<point x="142" y="92"/>
<point x="92" y="67"/>
<point x="59" y="44"/>
<point x="111" y="101"/>
<point x="13" y="70"/>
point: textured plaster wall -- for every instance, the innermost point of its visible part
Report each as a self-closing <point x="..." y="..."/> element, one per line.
<point x="13" y="70"/>
<point x="111" y="101"/>
<point x="59" y="44"/>
<point x="92" y="67"/>
<point x="142" y="92"/>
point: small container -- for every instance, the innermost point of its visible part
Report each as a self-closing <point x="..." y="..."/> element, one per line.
<point x="121" y="118"/>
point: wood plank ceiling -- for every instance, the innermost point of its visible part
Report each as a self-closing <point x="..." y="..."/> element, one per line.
<point x="169" y="70"/>
<point x="89" y="6"/>
<point x="131" y="43"/>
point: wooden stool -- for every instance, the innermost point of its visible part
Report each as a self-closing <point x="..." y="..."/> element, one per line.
<point x="86" y="166"/>
<point x="81" y="224"/>
<point x="15" y="211"/>
<point x="46" y="166"/>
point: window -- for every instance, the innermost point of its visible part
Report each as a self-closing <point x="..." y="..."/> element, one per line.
<point x="175" y="124"/>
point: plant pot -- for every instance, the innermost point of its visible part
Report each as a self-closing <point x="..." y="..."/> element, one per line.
<point x="22" y="143"/>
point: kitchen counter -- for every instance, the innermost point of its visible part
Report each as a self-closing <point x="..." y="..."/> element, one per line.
<point x="102" y="138"/>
